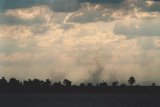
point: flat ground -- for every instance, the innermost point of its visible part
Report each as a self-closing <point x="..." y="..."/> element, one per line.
<point x="79" y="100"/>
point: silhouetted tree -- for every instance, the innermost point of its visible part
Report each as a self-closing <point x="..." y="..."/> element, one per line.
<point x="14" y="83"/>
<point x="153" y="84"/>
<point x="3" y="82"/>
<point x="67" y="82"/>
<point x="115" y="83"/>
<point x="103" y="84"/>
<point x="57" y="84"/>
<point x="36" y="83"/>
<point x="47" y="83"/>
<point x="82" y="84"/>
<point x="131" y="81"/>
<point x="27" y="84"/>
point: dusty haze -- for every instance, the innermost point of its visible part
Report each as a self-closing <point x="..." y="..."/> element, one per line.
<point x="81" y="40"/>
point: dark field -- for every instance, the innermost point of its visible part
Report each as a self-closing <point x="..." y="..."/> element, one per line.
<point x="79" y="100"/>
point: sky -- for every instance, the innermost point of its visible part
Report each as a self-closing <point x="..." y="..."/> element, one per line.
<point x="81" y="40"/>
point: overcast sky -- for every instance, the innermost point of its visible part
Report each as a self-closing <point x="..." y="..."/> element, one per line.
<point x="81" y="40"/>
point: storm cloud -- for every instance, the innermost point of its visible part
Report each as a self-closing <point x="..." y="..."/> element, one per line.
<point x="81" y="40"/>
<point x="74" y="5"/>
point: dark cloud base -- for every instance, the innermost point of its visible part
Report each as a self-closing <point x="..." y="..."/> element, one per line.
<point x="73" y="5"/>
<point x="102" y="1"/>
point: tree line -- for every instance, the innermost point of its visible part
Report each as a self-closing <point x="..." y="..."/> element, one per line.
<point x="36" y="83"/>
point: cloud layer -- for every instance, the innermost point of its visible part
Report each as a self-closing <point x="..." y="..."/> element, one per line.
<point x="73" y="5"/>
<point x="82" y="40"/>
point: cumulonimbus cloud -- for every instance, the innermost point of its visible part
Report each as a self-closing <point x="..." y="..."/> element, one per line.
<point x="77" y="40"/>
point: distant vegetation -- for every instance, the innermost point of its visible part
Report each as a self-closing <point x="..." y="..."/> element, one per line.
<point x="36" y="85"/>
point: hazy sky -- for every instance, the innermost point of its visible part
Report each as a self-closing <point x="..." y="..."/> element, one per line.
<point x="82" y="40"/>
